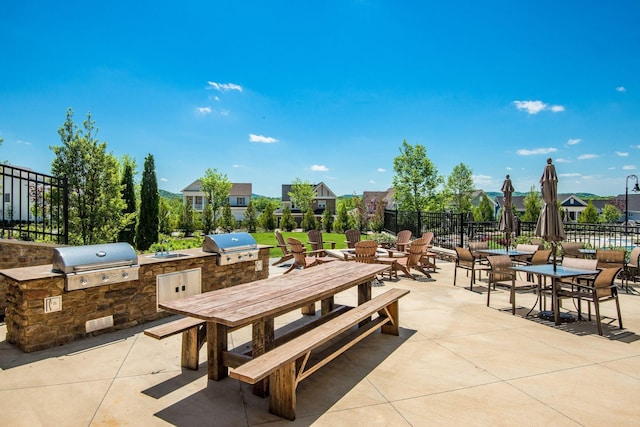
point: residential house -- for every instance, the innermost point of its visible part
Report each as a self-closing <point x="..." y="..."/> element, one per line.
<point x="14" y="187"/>
<point x="325" y="199"/>
<point x="239" y="197"/>
<point x="372" y="198"/>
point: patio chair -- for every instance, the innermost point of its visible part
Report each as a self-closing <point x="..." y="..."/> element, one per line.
<point x="568" y="285"/>
<point x="476" y="249"/>
<point x="572" y="249"/>
<point x="601" y="290"/>
<point x="316" y="242"/>
<point x="501" y="274"/>
<point x="286" y="253"/>
<point x="525" y="259"/>
<point x="428" y="259"/>
<point x="365" y="252"/>
<point x="467" y="261"/>
<point x="353" y="237"/>
<point x="402" y="240"/>
<point x="302" y="258"/>
<point x="611" y="258"/>
<point x="412" y="259"/>
<point x="632" y="270"/>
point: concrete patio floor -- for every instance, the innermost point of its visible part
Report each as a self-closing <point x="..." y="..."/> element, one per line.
<point x="456" y="362"/>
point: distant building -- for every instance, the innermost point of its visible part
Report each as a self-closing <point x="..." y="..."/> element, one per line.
<point x="239" y="197"/>
<point x="325" y="199"/>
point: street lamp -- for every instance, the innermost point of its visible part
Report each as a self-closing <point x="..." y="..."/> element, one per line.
<point x="626" y="199"/>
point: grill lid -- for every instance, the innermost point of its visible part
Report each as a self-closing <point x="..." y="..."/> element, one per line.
<point x="230" y="242"/>
<point x="71" y="259"/>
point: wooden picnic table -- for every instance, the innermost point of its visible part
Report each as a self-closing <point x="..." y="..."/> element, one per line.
<point x="258" y="303"/>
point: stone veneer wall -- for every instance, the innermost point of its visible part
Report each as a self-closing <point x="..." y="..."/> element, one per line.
<point x="18" y="253"/>
<point x="130" y="303"/>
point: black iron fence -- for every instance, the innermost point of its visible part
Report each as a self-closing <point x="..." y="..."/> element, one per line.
<point x="452" y="229"/>
<point x="34" y="205"/>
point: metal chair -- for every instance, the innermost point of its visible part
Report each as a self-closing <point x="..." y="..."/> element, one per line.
<point x="467" y="261"/>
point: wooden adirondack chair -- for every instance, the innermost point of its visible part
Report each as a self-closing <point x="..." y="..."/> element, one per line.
<point x="412" y="260"/>
<point x="353" y="237"/>
<point x="316" y="242"/>
<point x="302" y="257"/>
<point x="286" y="253"/>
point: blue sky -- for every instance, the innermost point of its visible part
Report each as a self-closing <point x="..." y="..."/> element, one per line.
<point x="269" y="91"/>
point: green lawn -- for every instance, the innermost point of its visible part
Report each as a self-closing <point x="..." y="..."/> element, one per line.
<point x="269" y="238"/>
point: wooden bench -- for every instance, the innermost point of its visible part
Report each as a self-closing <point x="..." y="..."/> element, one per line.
<point x="290" y="363"/>
<point x="194" y="335"/>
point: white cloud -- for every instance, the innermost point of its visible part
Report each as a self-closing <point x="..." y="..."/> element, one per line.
<point x="621" y="89"/>
<point x="537" y="151"/>
<point x="203" y="110"/>
<point x="508" y="168"/>
<point x="164" y="180"/>
<point x="224" y="113"/>
<point x="236" y="166"/>
<point x="573" y="141"/>
<point x="622" y="154"/>
<point x="381" y="170"/>
<point x="224" y="87"/>
<point x="482" y="180"/>
<point x="262" y="139"/>
<point x="569" y="175"/>
<point x="534" y="107"/>
<point x="21" y="142"/>
<point x="319" y="168"/>
<point x="561" y="160"/>
<point x="628" y="168"/>
<point x="371" y="181"/>
<point x="587" y="156"/>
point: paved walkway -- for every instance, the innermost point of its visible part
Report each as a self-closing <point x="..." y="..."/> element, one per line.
<point x="457" y="362"/>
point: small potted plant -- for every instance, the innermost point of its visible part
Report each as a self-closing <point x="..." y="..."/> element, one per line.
<point x="385" y="240"/>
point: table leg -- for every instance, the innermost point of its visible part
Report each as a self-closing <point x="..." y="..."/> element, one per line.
<point x="262" y="341"/>
<point x="556" y="305"/>
<point x="326" y="305"/>
<point x="216" y="346"/>
<point x="364" y="295"/>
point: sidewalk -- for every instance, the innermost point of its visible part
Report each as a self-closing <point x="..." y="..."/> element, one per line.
<point x="456" y="362"/>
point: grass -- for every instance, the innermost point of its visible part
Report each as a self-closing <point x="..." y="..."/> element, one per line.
<point x="269" y="238"/>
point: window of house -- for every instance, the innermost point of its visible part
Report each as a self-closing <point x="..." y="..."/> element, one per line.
<point x="322" y="204"/>
<point x="198" y="205"/>
<point x="240" y="201"/>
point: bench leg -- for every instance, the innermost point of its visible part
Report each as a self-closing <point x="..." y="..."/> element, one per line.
<point x="190" y="349"/>
<point x="282" y="388"/>
<point x="392" y="327"/>
<point x="364" y="295"/>
<point x="216" y="345"/>
<point x="309" y="309"/>
<point x="326" y="305"/>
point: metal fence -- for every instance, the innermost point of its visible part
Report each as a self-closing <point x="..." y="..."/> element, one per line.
<point x="34" y="205"/>
<point x="452" y="229"/>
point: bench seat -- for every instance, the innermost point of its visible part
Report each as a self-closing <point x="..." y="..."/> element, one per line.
<point x="194" y="335"/>
<point x="290" y="363"/>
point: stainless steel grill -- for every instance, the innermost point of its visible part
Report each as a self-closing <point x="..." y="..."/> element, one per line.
<point x="96" y="265"/>
<point x="232" y="247"/>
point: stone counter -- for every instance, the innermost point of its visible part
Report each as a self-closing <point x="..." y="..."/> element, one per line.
<point x="36" y="321"/>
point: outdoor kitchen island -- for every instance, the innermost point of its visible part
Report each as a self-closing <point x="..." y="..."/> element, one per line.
<point x="41" y="312"/>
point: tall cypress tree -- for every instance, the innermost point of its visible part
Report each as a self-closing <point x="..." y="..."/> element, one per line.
<point x="147" y="232"/>
<point x="128" y="233"/>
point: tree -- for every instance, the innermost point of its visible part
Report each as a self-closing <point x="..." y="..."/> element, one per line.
<point x="266" y="219"/>
<point x="610" y="214"/>
<point x="416" y="178"/>
<point x="148" y="222"/>
<point x="128" y="233"/>
<point x="250" y="219"/>
<point x="208" y="226"/>
<point x="287" y="223"/>
<point x="589" y="215"/>
<point x="341" y="223"/>
<point x="216" y="187"/>
<point x="309" y="221"/>
<point x="360" y="214"/>
<point x="164" y="216"/>
<point x="484" y="211"/>
<point x="327" y="220"/>
<point x="460" y="187"/>
<point x="228" y="222"/>
<point x="532" y="206"/>
<point x="95" y="201"/>
<point x="302" y="194"/>
<point x="377" y="219"/>
<point x="187" y="221"/>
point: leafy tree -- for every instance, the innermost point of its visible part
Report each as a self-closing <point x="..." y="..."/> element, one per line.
<point x="165" y="225"/>
<point x="416" y="178"/>
<point x="261" y="202"/>
<point x="208" y="226"/>
<point x="228" y="222"/>
<point x="266" y="219"/>
<point x="309" y="221"/>
<point x="484" y="211"/>
<point x="216" y="187"/>
<point x="95" y="201"/>
<point x="610" y="214"/>
<point x="187" y="221"/>
<point x="128" y="233"/>
<point x="148" y="222"/>
<point x="532" y="206"/>
<point x="302" y="194"/>
<point x="360" y="214"/>
<point x="589" y="215"/>
<point x="460" y="187"/>
<point x="377" y="219"/>
<point x="287" y="222"/>
<point x="341" y="223"/>
<point x="327" y="220"/>
<point x="250" y="218"/>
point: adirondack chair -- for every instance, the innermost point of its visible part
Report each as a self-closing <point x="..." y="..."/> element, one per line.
<point x="316" y="242"/>
<point x="353" y="237"/>
<point x="402" y="240"/>
<point x="286" y="253"/>
<point x="412" y="260"/>
<point x="365" y="252"/>
<point x="302" y="258"/>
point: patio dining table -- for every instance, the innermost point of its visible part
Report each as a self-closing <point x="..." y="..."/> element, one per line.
<point x="555" y="272"/>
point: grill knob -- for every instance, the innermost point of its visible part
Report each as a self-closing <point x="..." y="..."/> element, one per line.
<point x="125" y="275"/>
<point x="84" y="281"/>
<point x="105" y="277"/>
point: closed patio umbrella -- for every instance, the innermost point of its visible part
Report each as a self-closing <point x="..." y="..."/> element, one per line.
<point x="550" y="226"/>
<point x="507" y="221"/>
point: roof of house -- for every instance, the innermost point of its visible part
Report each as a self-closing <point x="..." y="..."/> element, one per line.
<point x="321" y="189"/>
<point x="237" y="188"/>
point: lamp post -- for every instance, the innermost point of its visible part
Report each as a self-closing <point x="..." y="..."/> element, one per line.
<point x="626" y="200"/>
